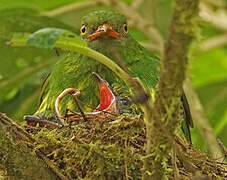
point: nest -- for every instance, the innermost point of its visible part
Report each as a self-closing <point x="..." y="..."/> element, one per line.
<point x="114" y="148"/>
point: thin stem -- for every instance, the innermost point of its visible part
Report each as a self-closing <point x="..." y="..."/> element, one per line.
<point x="136" y="3"/>
<point x="217" y="20"/>
<point x="80" y="109"/>
<point x="70" y="7"/>
<point x="214" y="42"/>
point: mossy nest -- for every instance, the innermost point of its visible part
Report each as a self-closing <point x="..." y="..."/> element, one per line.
<point x="114" y="149"/>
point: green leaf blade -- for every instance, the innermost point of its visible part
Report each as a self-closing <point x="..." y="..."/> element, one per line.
<point x="45" y="38"/>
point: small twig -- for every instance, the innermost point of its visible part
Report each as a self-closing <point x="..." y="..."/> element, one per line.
<point x="215" y="100"/>
<point x="188" y="165"/>
<point x="125" y="160"/>
<point x="222" y="163"/>
<point x="174" y="162"/>
<point x="73" y="112"/>
<point x="78" y="105"/>
<point x="136" y="3"/>
<point x="217" y="20"/>
<point x="180" y="142"/>
<point x="224" y="149"/>
<point x="70" y="7"/>
<point x="86" y="114"/>
<point x="216" y="3"/>
<point x="214" y="42"/>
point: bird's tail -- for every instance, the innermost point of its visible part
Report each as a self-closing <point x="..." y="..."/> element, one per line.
<point x="188" y="123"/>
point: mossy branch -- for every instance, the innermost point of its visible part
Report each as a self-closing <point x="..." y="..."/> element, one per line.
<point x="166" y="110"/>
<point x="17" y="156"/>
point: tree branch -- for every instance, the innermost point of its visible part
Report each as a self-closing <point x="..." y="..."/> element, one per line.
<point x="217" y="20"/>
<point x="70" y="7"/>
<point x="166" y="110"/>
<point x="17" y="157"/>
<point x="214" y="42"/>
<point x="136" y="3"/>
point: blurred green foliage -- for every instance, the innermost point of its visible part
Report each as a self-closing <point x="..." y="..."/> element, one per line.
<point x="22" y="70"/>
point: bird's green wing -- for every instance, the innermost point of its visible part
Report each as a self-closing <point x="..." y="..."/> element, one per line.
<point x="44" y="88"/>
<point x="141" y="63"/>
<point x="146" y="66"/>
<point x="187" y="117"/>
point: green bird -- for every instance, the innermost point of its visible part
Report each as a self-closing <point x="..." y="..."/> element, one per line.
<point x="106" y="32"/>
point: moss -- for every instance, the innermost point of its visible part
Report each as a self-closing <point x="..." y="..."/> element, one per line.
<point x="111" y="148"/>
<point x="16" y="159"/>
<point x="96" y="148"/>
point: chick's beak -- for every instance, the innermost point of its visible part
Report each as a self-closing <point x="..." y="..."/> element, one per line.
<point x="104" y="30"/>
<point x="107" y="100"/>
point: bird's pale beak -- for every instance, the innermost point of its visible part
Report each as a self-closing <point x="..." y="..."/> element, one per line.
<point x="104" y="30"/>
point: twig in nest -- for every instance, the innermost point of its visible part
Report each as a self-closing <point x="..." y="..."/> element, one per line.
<point x="78" y="105"/>
<point x="125" y="160"/>
<point x="213" y="42"/>
<point x="179" y="141"/>
<point x="224" y="149"/>
<point x="174" y="162"/>
<point x="81" y="102"/>
<point x="73" y="112"/>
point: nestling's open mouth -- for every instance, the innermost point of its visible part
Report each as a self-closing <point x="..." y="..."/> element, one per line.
<point x="104" y="30"/>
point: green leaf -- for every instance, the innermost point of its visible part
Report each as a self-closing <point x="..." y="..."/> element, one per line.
<point x="18" y="64"/>
<point x="213" y="97"/>
<point x="209" y="67"/>
<point x="12" y="81"/>
<point x="46" y="38"/>
<point x="20" y="39"/>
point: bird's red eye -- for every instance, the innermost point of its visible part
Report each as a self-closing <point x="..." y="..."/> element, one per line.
<point x="125" y="28"/>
